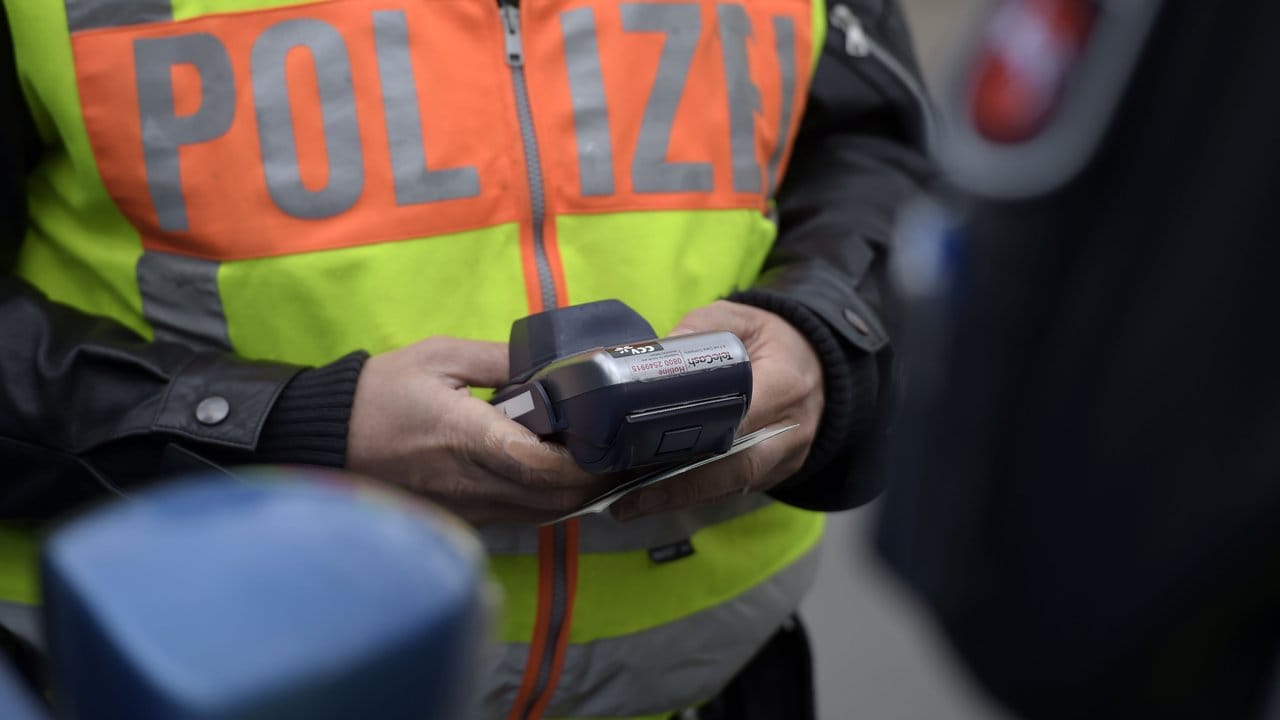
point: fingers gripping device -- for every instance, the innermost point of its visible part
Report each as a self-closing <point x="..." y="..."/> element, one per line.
<point x="595" y="378"/>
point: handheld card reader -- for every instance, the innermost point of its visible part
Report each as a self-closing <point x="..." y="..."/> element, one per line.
<point x="594" y="378"/>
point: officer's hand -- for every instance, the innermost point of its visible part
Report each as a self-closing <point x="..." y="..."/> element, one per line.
<point x="414" y="424"/>
<point x="786" y="389"/>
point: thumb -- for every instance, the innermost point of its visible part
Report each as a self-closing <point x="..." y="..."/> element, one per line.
<point x="476" y="362"/>
<point x="741" y="320"/>
<point x="700" y="319"/>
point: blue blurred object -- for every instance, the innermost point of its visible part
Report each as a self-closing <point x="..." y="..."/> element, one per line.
<point x="216" y="600"/>
<point x="16" y="702"/>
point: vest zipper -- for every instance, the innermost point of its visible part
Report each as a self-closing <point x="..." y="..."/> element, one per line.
<point x="558" y="612"/>
<point x="859" y="44"/>
<point x="510" y="12"/>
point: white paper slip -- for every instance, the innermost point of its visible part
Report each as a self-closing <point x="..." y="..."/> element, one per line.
<point x="606" y="500"/>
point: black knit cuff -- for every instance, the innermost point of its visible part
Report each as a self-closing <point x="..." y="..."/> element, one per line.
<point x="849" y="396"/>
<point x="308" y="424"/>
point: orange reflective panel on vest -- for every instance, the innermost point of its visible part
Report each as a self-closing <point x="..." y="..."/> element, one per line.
<point x="664" y="105"/>
<point x="335" y="124"/>
<point x="312" y="127"/>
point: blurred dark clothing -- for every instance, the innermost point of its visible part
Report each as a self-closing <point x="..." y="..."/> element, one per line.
<point x="1087" y="474"/>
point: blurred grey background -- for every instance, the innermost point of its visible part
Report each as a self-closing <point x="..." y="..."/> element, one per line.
<point x="936" y="26"/>
<point x="878" y="657"/>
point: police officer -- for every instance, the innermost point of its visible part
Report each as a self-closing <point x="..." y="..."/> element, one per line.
<point x="256" y="231"/>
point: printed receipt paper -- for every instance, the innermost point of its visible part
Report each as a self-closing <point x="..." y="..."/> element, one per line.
<point x="603" y="502"/>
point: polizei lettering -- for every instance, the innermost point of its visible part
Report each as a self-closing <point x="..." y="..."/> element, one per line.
<point x="320" y="126"/>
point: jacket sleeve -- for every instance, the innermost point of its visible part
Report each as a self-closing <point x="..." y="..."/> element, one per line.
<point x="88" y="406"/>
<point x="859" y="153"/>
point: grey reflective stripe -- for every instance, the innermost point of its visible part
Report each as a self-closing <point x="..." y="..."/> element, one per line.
<point x="784" y="38"/>
<point x="663" y="669"/>
<point x="650" y="171"/>
<point x="601" y="533"/>
<point x="590" y="107"/>
<point x="744" y="97"/>
<point x="180" y="300"/>
<point x="338" y="113"/>
<point x="90" y="14"/>
<point x="163" y="130"/>
<point x="414" y="182"/>
<point x="24" y="621"/>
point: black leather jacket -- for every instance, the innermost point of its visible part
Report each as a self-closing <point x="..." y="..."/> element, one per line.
<point x="87" y="407"/>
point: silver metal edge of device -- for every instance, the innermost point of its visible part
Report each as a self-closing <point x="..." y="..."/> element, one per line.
<point x="595" y="369"/>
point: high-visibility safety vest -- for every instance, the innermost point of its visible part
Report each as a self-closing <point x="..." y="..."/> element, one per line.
<point x="292" y="180"/>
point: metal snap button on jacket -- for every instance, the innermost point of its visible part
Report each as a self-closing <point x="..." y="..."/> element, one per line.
<point x="857" y="322"/>
<point x="212" y="410"/>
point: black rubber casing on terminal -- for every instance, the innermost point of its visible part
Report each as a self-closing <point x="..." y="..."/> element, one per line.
<point x="577" y="366"/>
